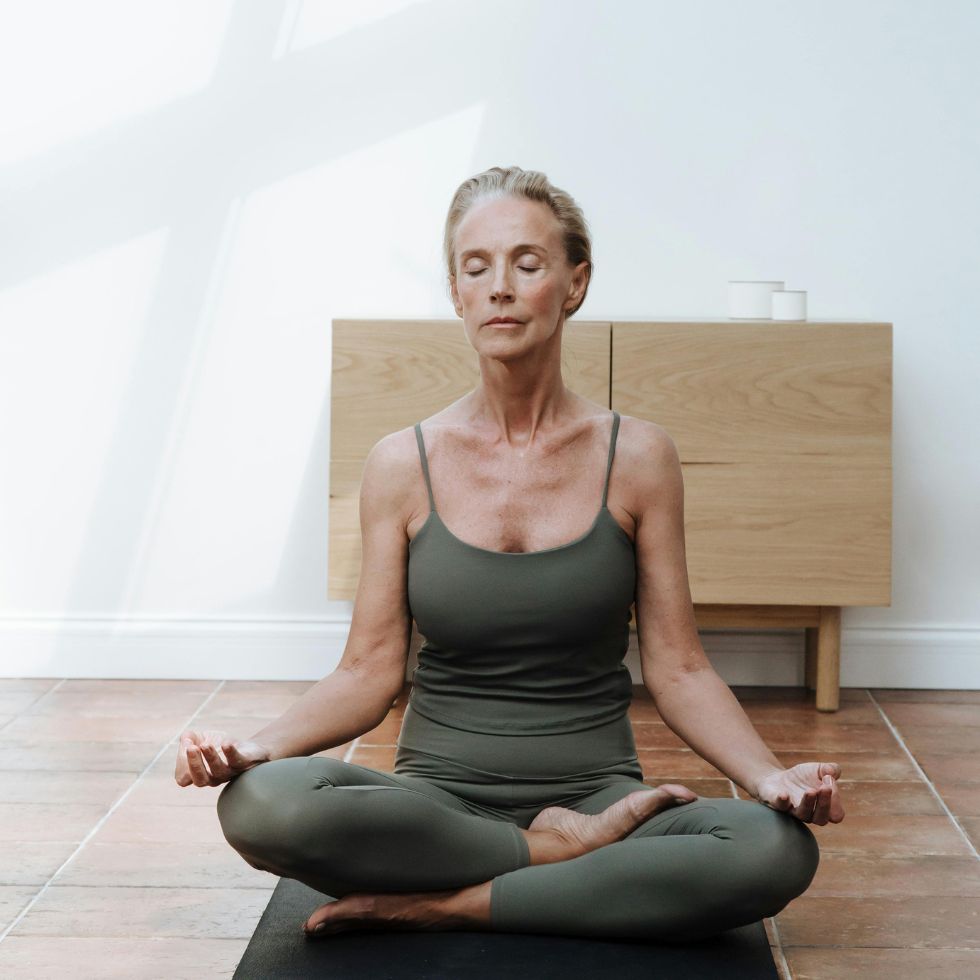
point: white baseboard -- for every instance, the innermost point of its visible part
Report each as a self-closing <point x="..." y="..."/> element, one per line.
<point x="296" y="649"/>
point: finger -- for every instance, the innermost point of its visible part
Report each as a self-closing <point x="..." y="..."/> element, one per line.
<point x="806" y="806"/>
<point x="831" y="769"/>
<point x="217" y="765"/>
<point x="199" y="771"/>
<point x="836" y="804"/>
<point x="182" y="772"/>
<point x="822" y="809"/>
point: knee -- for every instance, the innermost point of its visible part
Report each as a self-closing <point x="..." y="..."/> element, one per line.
<point x="256" y="807"/>
<point x="786" y="857"/>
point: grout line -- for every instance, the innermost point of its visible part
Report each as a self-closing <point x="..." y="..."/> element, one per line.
<point x="781" y="962"/>
<point x="112" y="809"/>
<point x="36" y="701"/>
<point x="898" y="738"/>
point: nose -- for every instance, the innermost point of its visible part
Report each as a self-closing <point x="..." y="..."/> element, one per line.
<point x="501" y="287"/>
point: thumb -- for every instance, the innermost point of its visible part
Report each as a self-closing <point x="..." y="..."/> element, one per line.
<point x="829" y="769"/>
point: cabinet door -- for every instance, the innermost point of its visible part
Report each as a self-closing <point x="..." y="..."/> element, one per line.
<point x="389" y="374"/>
<point x="784" y="433"/>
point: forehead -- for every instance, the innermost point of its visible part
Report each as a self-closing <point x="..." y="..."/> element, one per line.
<point x="502" y="222"/>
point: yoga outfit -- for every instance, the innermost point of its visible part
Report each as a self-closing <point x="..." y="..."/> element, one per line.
<point x="519" y="702"/>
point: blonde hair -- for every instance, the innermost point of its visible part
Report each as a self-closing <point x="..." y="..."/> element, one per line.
<point x="534" y="186"/>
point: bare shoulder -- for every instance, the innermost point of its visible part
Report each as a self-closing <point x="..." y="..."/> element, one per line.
<point x="650" y="459"/>
<point x="391" y="475"/>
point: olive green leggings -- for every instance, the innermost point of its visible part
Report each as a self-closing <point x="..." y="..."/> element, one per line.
<point x="688" y="872"/>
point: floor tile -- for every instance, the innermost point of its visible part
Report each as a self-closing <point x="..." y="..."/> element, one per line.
<point x="182" y="913"/>
<point x="821" y="736"/>
<point x="159" y="787"/>
<point x="963" y="799"/>
<point x="940" y="739"/>
<point x="902" y="713"/>
<point x="766" y="692"/>
<point x="260" y="704"/>
<point x="908" y="694"/>
<point x="29" y="786"/>
<point x="70" y="756"/>
<point x="13" y="900"/>
<point x="236" y="726"/>
<point x="135" y="823"/>
<point x="48" y="821"/>
<point x="175" y="864"/>
<point x="933" y="921"/>
<point x="92" y="728"/>
<point x="891" y="765"/>
<point x="127" y="958"/>
<point x="883" y="964"/>
<point x="14" y="702"/>
<point x="649" y="735"/>
<point x="950" y="768"/>
<point x="32" y="862"/>
<point x="276" y="688"/>
<point x="972" y="827"/>
<point x="29" y="683"/>
<point x="849" y="713"/>
<point x="154" y="687"/>
<point x="118" y="704"/>
<point x="931" y="874"/>
<point x="680" y="764"/>
<point x="703" y="787"/>
<point x="887" y="836"/>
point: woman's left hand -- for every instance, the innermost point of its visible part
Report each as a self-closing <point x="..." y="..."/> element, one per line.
<point x="808" y="790"/>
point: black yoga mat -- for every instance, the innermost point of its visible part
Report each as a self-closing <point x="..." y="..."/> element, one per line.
<point x="279" y="950"/>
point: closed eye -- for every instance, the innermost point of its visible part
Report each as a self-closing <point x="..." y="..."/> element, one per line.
<point x="523" y="268"/>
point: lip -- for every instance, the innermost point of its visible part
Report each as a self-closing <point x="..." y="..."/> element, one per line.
<point x="498" y="321"/>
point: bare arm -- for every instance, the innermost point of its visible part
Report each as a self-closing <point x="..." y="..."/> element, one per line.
<point x="693" y="700"/>
<point x="700" y="708"/>
<point x="357" y="695"/>
<point x="335" y="710"/>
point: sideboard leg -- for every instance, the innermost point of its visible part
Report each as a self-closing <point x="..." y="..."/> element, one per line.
<point x="828" y="659"/>
<point x="810" y="654"/>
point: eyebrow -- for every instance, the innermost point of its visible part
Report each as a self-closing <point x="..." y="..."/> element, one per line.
<point x="526" y="246"/>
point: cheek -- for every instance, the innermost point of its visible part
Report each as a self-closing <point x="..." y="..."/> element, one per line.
<point x="541" y="295"/>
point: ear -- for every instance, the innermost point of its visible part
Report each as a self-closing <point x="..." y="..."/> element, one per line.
<point x="580" y="281"/>
<point x="455" y="294"/>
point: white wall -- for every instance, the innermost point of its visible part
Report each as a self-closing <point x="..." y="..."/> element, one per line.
<point x="192" y="191"/>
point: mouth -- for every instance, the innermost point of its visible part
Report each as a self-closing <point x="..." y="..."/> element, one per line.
<point x="502" y="321"/>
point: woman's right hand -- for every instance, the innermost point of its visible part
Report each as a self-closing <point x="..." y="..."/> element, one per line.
<point x="213" y="757"/>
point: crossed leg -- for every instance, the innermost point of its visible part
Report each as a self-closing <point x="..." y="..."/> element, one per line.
<point x="686" y="872"/>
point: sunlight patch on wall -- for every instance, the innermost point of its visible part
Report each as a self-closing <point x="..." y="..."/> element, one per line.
<point x="319" y="22"/>
<point x="78" y="67"/>
<point x="67" y="343"/>
<point x="358" y="236"/>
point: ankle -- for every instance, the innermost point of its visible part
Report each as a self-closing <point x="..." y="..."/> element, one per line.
<point x="547" y="847"/>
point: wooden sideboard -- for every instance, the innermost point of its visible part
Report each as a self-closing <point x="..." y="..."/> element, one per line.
<point x="783" y="429"/>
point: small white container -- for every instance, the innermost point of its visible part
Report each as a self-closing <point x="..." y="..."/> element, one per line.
<point x="789" y="304"/>
<point x="751" y="299"/>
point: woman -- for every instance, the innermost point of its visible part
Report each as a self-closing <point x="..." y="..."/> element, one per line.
<point x="517" y="802"/>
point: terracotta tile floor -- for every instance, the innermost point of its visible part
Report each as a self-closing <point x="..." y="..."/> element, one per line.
<point x="109" y="869"/>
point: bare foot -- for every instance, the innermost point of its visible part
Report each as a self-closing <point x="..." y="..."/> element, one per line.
<point x="401" y="911"/>
<point x="578" y="833"/>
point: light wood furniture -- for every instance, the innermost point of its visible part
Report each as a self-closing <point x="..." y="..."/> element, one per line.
<point x="784" y="433"/>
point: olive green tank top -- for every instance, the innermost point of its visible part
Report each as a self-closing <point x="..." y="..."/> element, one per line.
<point x="528" y="642"/>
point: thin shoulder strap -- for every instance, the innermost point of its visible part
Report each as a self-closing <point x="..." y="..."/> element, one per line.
<point x="612" y="452"/>
<point x="425" y="463"/>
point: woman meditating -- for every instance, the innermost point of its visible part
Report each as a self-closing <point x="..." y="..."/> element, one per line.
<point x="517" y="527"/>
